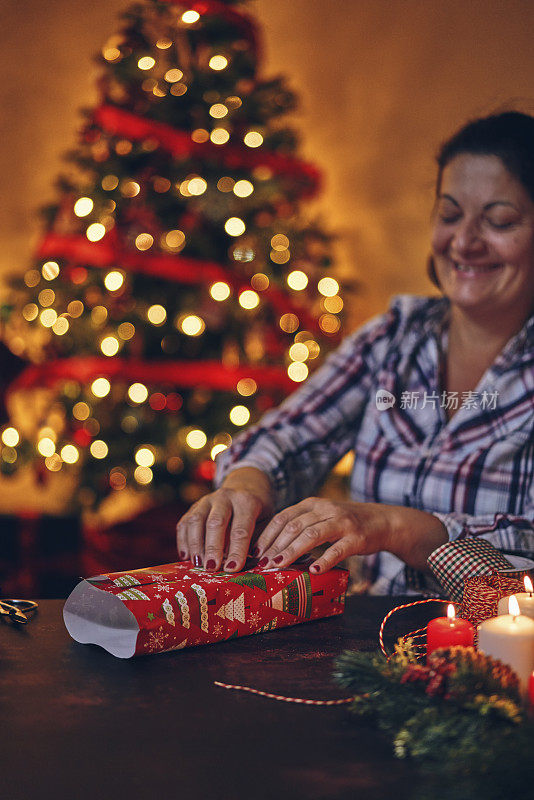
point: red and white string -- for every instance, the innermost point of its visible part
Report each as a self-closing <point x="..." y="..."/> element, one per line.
<point x="282" y="698"/>
<point x="413" y="634"/>
<point x="345" y="700"/>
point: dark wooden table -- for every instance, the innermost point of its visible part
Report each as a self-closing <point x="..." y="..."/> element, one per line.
<point x="78" y="723"/>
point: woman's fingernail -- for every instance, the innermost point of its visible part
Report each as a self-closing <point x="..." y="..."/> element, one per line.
<point x="183" y="555"/>
<point x="314" y="568"/>
<point x="210" y="564"/>
<point x="278" y="559"/>
<point x="255" y="551"/>
<point x="230" y="565"/>
<point x="197" y="561"/>
<point x="264" y="561"/>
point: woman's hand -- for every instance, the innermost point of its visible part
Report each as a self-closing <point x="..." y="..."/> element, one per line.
<point x="350" y="528"/>
<point x="227" y="516"/>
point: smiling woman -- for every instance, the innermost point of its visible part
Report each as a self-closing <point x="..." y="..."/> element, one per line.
<point x="483" y="240"/>
<point x="449" y="459"/>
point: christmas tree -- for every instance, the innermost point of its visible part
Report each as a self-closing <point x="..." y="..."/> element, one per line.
<point x="177" y="291"/>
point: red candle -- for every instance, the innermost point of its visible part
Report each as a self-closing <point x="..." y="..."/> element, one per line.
<point x="531" y="689"/>
<point x="448" y="631"/>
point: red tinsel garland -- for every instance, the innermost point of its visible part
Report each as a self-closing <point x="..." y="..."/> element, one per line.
<point x="110" y="252"/>
<point x="184" y="374"/>
<point x="178" y="143"/>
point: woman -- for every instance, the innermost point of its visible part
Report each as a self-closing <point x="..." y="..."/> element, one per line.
<point x="436" y="398"/>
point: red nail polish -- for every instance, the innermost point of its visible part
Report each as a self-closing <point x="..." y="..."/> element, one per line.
<point x="314" y="568"/>
<point x="197" y="561"/>
<point x="264" y="561"/>
<point x="183" y="555"/>
<point x="230" y="565"/>
<point x="278" y="559"/>
<point x="210" y="564"/>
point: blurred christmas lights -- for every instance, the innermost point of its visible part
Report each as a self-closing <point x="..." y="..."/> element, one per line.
<point x="218" y="63"/>
<point x="83" y="206"/>
<point x="297" y="280"/>
<point x="50" y="270"/>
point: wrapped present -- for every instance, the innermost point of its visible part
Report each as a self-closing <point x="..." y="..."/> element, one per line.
<point x="172" y="606"/>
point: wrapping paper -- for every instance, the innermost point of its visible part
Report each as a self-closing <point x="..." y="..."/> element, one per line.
<point x="172" y="606"/>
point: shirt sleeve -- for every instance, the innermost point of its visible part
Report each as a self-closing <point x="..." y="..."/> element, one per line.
<point x="507" y="532"/>
<point x="297" y="444"/>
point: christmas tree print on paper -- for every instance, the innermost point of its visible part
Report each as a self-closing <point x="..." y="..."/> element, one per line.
<point x="177" y="291"/>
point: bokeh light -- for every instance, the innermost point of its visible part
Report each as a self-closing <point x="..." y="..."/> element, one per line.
<point x="113" y="280"/>
<point x="297" y="371"/>
<point x="190" y="17"/>
<point x="249" y="299"/>
<point x="146" y="62"/>
<point x="220" y="291"/>
<point x="98" y="449"/>
<point x="50" y="270"/>
<point x="10" y="437"/>
<point x="70" y="454"/>
<point x="239" y="415"/>
<point x="100" y="387"/>
<point x="138" y="393"/>
<point x="196" y="439"/>
<point x="234" y="226"/>
<point x="109" y="346"/>
<point x="218" y="63"/>
<point x="328" y="287"/>
<point x="95" y="232"/>
<point x="297" y="280"/>
<point x="192" y="325"/>
<point x="156" y="314"/>
<point x="144" y="456"/>
<point x="83" y="206"/>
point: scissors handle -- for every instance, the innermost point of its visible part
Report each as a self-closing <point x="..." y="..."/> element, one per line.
<point x="17" y="610"/>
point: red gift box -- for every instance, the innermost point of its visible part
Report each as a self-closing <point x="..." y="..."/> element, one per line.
<point x="172" y="606"/>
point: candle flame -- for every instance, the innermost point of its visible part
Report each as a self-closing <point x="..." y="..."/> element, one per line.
<point x="451" y="612"/>
<point x="513" y="605"/>
<point x="528" y="584"/>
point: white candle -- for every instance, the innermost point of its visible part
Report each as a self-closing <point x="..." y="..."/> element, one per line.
<point x="525" y="600"/>
<point x="510" y="639"/>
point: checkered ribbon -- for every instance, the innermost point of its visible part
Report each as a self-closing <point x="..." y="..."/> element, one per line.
<point x="454" y="562"/>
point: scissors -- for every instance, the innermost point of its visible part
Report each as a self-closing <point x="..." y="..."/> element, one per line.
<point x="17" y="610"/>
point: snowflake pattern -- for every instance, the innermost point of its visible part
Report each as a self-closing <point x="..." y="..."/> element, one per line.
<point x="155" y="640"/>
<point x="254" y="618"/>
<point x="279" y="578"/>
<point x="218" y="629"/>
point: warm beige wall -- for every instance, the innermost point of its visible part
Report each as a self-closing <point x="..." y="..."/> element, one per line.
<point x="381" y="81"/>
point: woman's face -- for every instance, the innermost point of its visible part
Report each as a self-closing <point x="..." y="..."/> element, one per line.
<point x="483" y="239"/>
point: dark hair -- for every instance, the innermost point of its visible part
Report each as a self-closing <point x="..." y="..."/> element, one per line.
<point x="508" y="135"/>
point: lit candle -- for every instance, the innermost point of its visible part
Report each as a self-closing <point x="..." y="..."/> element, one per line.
<point x="448" y="631"/>
<point x="510" y="639"/>
<point x="525" y="600"/>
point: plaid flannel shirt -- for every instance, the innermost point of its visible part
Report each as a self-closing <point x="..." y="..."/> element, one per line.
<point x="380" y="394"/>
